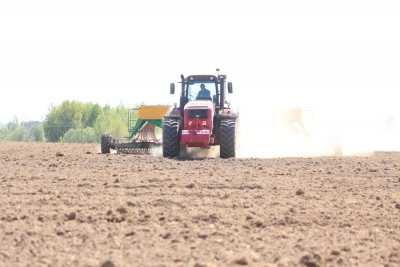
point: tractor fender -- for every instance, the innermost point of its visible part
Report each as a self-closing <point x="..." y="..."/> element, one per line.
<point x="174" y="112"/>
<point x="227" y="111"/>
<point x="172" y="117"/>
<point x="221" y="117"/>
<point x="175" y="118"/>
<point x="230" y="111"/>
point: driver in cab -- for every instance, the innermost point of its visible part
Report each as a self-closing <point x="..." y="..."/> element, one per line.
<point x="203" y="93"/>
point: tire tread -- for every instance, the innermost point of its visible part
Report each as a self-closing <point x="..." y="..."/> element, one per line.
<point x="228" y="139"/>
<point x="170" y="138"/>
<point x="105" y="145"/>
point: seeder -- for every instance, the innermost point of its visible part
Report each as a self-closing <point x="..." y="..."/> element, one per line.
<point x="142" y="138"/>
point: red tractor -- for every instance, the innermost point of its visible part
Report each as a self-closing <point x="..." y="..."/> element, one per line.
<point x="203" y="119"/>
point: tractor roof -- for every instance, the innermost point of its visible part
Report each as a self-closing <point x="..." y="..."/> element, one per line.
<point x="202" y="77"/>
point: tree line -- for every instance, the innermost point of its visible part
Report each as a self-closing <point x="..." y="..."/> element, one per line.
<point x="22" y="131"/>
<point x="72" y="122"/>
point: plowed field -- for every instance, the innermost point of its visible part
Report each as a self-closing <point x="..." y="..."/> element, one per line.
<point x="67" y="205"/>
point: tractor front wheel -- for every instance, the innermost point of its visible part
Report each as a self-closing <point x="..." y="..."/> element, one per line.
<point x="228" y="142"/>
<point x="170" y="138"/>
<point x="105" y="143"/>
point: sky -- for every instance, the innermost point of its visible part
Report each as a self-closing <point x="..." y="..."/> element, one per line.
<point x="340" y="59"/>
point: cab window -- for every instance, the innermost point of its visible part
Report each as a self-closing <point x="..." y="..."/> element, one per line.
<point x="194" y="87"/>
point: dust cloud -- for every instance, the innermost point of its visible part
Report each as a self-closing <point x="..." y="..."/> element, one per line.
<point x="266" y="133"/>
<point x="196" y="153"/>
<point x="156" y="151"/>
<point x="291" y="131"/>
<point x="280" y="132"/>
<point x="191" y="152"/>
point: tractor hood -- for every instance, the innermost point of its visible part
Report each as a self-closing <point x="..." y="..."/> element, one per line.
<point x="200" y="104"/>
<point x="198" y="123"/>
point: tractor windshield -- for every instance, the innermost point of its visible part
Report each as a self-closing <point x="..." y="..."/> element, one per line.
<point x="202" y="90"/>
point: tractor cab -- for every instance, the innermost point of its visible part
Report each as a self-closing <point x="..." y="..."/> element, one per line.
<point x="202" y="89"/>
<point x="214" y="90"/>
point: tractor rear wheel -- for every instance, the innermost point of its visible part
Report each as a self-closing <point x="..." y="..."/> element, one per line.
<point x="105" y="143"/>
<point x="170" y="138"/>
<point x="227" y="148"/>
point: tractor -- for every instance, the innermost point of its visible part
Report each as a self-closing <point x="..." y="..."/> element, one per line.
<point x="203" y="119"/>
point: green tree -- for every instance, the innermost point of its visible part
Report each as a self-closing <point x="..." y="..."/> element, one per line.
<point x="72" y="136"/>
<point x="113" y="121"/>
<point x="12" y="125"/>
<point x="89" y="135"/>
<point x="118" y="129"/>
<point x="100" y="125"/>
<point x="90" y="114"/>
<point x="86" y="135"/>
<point x="38" y="133"/>
<point x="15" y="131"/>
<point x="3" y="132"/>
<point x="18" y="134"/>
<point x="62" y="118"/>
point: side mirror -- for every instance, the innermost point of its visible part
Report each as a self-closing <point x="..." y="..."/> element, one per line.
<point x="230" y="89"/>
<point x="172" y="88"/>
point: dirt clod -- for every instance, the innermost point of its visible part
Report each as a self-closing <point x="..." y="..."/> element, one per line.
<point x="123" y="209"/>
<point x="202" y="235"/>
<point x="72" y="216"/>
<point x="335" y="252"/>
<point x="300" y="192"/>
<point x="190" y="186"/>
<point x="107" y="264"/>
<point x="240" y="260"/>
<point x="311" y="260"/>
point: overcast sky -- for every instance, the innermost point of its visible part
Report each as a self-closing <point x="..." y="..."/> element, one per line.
<point x="338" y="58"/>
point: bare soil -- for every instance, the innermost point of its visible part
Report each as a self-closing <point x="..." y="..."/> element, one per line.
<point x="67" y="205"/>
